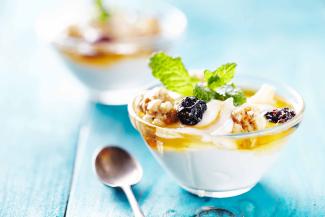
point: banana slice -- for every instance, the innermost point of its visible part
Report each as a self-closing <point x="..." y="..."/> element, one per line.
<point x="211" y="114"/>
<point x="265" y="95"/>
<point x="167" y="133"/>
<point x="225" y="123"/>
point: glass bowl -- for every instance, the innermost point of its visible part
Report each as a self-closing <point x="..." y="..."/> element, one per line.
<point x="223" y="165"/>
<point x="123" y="68"/>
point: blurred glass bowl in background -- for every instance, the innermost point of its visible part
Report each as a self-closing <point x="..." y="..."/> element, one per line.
<point x="111" y="57"/>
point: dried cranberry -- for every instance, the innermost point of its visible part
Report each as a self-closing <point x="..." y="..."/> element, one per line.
<point x="103" y="39"/>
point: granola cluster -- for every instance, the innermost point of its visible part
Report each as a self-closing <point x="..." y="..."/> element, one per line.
<point x="247" y="119"/>
<point x="157" y="107"/>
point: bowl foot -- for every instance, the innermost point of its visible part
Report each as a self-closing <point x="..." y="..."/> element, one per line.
<point x="218" y="194"/>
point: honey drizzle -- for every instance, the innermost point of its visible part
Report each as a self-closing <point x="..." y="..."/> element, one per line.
<point x="263" y="142"/>
<point x="102" y="59"/>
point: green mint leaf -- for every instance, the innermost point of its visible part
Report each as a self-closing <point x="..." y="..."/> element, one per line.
<point x="227" y="91"/>
<point x="175" y="77"/>
<point x="221" y="76"/>
<point x="102" y="12"/>
<point x="239" y="98"/>
<point x="230" y="90"/>
<point x="172" y="74"/>
<point x="203" y="93"/>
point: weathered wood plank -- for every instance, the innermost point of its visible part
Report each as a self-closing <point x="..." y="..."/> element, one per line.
<point x="40" y="111"/>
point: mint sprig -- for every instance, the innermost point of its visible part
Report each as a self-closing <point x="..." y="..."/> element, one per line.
<point x="202" y="92"/>
<point x="172" y="73"/>
<point x="221" y="76"/>
<point x="231" y="91"/>
<point x="224" y="92"/>
<point x="103" y="14"/>
<point x="216" y="85"/>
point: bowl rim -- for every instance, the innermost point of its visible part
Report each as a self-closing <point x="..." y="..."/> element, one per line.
<point x="273" y="130"/>
<point x="78" y="46"/>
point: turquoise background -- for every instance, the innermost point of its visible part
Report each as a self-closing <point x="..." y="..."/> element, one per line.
<point x="49" y="130"/>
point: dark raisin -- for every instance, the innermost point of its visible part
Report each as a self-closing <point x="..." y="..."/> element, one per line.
<point x="102" y="39"/>
<point x="189" y="101"/>
<point x="190" y="110"/>
<point x="280" y="115"/>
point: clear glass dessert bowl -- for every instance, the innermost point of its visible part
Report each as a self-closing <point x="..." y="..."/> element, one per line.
<point x="220" y="165"/>
<point x="115" y="66"/>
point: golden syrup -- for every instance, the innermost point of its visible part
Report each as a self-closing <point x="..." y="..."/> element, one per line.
<point x="185" y="141"/>
<point x="102" y="60"/>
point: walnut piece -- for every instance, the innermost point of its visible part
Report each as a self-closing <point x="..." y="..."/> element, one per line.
<point x="157" y="107"/>
<point x="247" y="118"/>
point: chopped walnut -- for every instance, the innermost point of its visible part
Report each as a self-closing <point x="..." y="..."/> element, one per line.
<point x="74" y="31"/>
<point x="157" y="107"/>
<point x="247" y="118"/>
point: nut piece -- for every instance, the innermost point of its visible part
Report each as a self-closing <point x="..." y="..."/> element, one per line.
<point x="74" y="31"/>
<point x="247" y="118"/>
<point x="157" y="107"/>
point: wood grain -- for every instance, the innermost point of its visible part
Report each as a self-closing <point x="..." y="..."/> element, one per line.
<point x="40" y="112"/>
<point x="41" y="108"/>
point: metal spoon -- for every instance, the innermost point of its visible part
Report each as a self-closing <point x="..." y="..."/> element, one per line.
<point x="115" y="167"/>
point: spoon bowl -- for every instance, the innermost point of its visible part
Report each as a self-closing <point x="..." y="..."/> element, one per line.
<point x="115" y="167"/>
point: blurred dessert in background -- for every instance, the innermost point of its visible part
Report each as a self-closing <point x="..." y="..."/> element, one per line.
<point x="101" y="36"/>
<point x="108" y="47"/>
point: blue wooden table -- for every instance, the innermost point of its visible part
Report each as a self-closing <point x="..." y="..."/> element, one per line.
<point x="49" y="131"/>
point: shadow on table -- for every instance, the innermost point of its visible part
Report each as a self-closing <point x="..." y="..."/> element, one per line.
<point x="260" y="201"/>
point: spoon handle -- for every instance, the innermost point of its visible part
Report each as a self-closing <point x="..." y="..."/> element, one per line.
<point x="133" y="202"/>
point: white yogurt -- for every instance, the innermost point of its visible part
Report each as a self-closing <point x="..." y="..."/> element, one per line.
<point x="124" y="74"/>
<point x="211" y="169"/>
